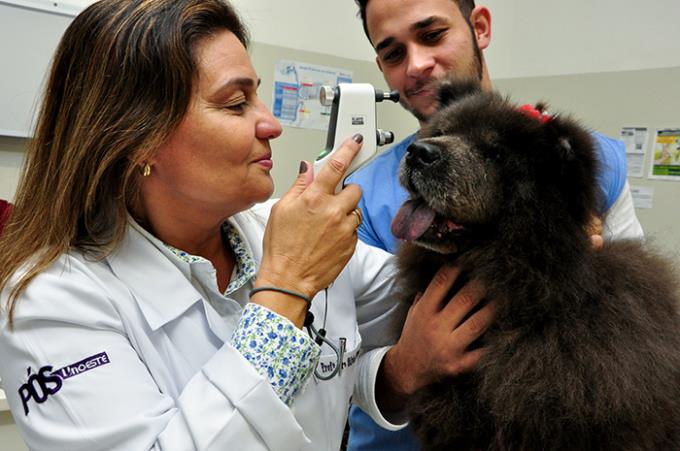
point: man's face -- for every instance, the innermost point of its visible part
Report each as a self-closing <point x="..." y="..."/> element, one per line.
<point x="418" y="42"/>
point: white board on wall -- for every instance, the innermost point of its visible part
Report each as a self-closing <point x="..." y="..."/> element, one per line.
<point x="29" y="33"/>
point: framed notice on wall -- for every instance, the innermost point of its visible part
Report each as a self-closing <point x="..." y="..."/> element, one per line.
<point x="635" y="139"/>
<point x="665" y="163"/>
<point x="296" y="93"/>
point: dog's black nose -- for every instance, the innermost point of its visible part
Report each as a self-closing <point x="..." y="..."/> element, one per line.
<point x="422" y="153"/>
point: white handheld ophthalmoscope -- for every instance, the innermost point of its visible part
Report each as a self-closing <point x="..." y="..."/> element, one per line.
<point x="353" y="110"/>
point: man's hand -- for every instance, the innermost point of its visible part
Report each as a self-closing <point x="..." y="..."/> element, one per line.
<point x="434" y="339"/>
<point x="594" y="229"/>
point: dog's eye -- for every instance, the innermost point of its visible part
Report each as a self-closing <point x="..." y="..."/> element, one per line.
<point x="493" y="152"/>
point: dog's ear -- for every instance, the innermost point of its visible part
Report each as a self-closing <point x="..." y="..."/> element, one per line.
<point x="574" y="165"/>
<point x="563" y="131"/>
<point x="452" y="89"/>
<point x="571" y="140"/>
<point x="565" y="150"/>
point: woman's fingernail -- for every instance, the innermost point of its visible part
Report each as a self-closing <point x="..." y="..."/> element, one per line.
<point x="303" y="167"/>
<point x="358" y="138"/>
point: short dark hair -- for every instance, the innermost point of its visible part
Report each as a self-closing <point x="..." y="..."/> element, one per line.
<point x="465" y="7"/>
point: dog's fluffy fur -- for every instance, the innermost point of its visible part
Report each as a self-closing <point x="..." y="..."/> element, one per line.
<point x="585" y="350"/>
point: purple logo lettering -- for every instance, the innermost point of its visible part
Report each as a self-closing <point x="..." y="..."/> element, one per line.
<point x="47" y="382"/>
<point x="87" y="364"/>
<point x="39" y="386"/>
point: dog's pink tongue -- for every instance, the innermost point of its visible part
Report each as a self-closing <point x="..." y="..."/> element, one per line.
<point x="412" y="220"/>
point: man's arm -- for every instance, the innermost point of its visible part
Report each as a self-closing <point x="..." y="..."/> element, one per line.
<point x="620" y="222"/>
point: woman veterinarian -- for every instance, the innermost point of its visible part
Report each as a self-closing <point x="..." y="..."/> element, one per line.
<point x="131" y="254"/>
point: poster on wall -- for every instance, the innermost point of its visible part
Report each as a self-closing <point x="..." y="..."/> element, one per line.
<point x="666" y="155"/>
<point x="635" y="139"/>
<point x="643" y="196"/>
<point x="296" y="93"/>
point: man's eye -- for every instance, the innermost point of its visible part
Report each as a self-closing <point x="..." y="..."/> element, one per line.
<point x="433" y="36"/>
<point x="393" y="56"/>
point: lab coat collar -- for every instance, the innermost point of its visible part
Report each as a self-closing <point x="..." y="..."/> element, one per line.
<point x="162" y="297"/>
<point x="162" y="291"/>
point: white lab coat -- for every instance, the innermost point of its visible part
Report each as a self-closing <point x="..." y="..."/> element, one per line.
<point x="173" y="381"/>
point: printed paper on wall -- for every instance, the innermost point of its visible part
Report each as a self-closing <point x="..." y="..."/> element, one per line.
<point x="666" y="155"/>
<point x="296" y="93"/>
<point x="635" y="139"/>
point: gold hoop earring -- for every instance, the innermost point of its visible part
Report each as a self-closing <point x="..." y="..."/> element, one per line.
<point x="146" y="170"/>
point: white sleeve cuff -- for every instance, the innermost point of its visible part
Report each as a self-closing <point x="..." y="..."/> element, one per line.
<point x="364" y="391"/>
<point x="620" y="222"/>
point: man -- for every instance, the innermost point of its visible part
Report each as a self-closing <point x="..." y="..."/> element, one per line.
<point x="418" y="42"/>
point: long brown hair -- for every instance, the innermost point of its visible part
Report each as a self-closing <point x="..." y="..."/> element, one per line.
<point x="120" y="82"/>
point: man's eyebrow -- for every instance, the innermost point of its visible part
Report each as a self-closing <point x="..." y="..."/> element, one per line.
<point x="413" y="28"/>
<point x="425" y="23"/>
<point x="383" y="44"/>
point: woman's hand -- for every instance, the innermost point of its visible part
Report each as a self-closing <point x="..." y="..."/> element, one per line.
<point x="311" y="233"/>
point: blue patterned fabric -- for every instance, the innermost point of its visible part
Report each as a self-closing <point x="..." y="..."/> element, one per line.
<point x="245" y="265"/>
<point x="277" y="349"/>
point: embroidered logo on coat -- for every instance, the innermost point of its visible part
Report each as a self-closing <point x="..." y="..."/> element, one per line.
<point x="46" y="382"/>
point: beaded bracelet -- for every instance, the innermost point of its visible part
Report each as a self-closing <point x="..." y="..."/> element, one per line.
<point x="282" y="290"/>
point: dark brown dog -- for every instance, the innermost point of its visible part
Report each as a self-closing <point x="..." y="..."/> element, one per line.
<point x="585" y="350"/>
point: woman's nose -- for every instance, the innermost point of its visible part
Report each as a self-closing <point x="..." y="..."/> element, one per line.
<point x="268" y="127"/>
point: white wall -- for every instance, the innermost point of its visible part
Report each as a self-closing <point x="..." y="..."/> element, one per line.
<point x="10" y="440"/>
<point x="11" y="158"/>
<point x="530" y="37"/>
<point x="538" y="38"/>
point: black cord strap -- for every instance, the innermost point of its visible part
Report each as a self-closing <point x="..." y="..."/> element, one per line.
<point x="282" y="290"/>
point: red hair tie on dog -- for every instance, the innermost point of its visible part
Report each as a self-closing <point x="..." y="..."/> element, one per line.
<point x="531" y="111"/>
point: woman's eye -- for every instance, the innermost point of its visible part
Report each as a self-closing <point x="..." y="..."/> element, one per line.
<point x="239" y="105"/>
